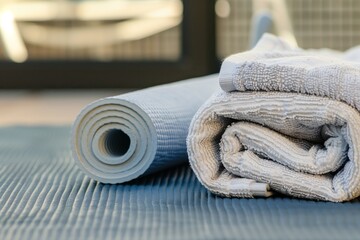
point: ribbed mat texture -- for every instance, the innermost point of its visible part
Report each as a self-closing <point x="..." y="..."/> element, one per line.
<point x="45" y="196"/>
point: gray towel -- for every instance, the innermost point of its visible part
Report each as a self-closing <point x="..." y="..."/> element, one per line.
<point x="288" y="120"/>
<point x="120" y="138"/>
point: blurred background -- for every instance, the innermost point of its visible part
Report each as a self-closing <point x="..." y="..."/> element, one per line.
<point x="139" y="43"/>
<point x="331" y="24"/>
<point x="101" y="30"/>
<point x="117" y="45"/>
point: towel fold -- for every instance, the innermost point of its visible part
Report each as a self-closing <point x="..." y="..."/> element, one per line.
<point x="120" y="138"/>
<point x="287" y="120"/>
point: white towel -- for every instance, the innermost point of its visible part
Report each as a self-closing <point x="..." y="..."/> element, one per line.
<point x="287" y="120"/>
<point x="120" y="138"/>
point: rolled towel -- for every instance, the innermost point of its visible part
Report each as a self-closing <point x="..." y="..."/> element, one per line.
<point x="287" y="120"/>
<point x="120" y="138"/>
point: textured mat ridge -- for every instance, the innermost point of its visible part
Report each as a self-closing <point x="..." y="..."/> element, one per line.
<point x="43" y="195"/>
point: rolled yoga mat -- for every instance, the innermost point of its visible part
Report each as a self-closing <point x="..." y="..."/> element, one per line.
<point x="120" y="138"/>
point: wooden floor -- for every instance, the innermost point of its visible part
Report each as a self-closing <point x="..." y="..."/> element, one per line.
<point x="46" y="107"/>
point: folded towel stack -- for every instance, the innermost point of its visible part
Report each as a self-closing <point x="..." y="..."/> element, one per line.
<point x="286" y="120"/>
<point x="120" y="138"/>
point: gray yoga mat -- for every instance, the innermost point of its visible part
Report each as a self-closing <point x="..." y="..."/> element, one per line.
<point x="120" y="138"/>
<point x="43" y="195"/>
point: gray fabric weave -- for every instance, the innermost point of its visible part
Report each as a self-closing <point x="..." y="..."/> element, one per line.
<point x="44" y="196"/>
<point x="288" y="121"/>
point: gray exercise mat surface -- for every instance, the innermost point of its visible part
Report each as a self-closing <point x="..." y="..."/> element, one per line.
<point x="43" y="195"/>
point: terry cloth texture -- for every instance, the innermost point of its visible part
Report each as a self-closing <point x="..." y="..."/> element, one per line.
<point x="120" y="138"/>
<point x="44" y="196"/>
<point x="288" y="120"/>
